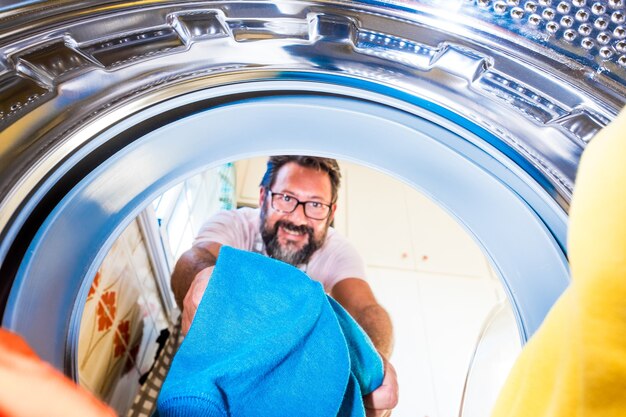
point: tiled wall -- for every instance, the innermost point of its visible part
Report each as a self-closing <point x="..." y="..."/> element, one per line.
<point x="122" y="319"/>
<point x="124" y="314"/>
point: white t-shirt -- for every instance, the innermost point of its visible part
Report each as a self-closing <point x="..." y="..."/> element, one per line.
<point x="337" y="259"/>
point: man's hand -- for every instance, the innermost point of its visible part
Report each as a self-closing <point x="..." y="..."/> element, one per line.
<point x="380" y="402"/>
<point x="189" y="265"/>
<point x="194" y="296"/>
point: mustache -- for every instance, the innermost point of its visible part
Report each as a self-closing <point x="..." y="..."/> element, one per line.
<point x="293" y="228"/>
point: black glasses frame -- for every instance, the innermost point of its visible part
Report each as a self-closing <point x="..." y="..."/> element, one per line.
<point x="298" y="202"/>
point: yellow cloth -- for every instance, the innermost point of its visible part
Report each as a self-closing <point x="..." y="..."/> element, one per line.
<point x="575" y="365"/>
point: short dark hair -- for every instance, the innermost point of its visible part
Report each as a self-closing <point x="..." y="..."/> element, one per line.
<point x="328" y="165"/>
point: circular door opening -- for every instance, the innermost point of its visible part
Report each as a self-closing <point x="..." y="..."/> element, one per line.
<point x="462" y="177"/>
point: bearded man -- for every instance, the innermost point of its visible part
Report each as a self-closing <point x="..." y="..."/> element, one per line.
<point x="297" y="199"/>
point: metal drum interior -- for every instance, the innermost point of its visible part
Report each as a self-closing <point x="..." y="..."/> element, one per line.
<point x="106" y="106"/>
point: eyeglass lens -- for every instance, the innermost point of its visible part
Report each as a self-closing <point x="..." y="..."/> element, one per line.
<point x="287" y="204"/>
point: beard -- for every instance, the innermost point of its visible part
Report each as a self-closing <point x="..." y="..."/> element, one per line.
<point x="288" y="253"/>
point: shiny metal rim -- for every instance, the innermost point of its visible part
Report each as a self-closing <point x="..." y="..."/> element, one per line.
<point x="468" y="178"/>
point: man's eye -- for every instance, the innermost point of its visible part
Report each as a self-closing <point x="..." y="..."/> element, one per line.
<point x="287" y="198"/>
<point x="315" y="204"/>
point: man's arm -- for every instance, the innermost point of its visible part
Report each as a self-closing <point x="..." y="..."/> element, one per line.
<point x="199" y="257"/>
<point x="356" y="296"/>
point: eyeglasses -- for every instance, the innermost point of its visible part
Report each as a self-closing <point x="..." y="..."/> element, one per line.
<point x="285" y="203"/>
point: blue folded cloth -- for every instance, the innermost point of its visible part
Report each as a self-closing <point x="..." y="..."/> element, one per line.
<point x="267" y="341"/>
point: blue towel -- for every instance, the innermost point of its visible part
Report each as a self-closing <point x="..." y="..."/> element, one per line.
<point x="267" y="341"/>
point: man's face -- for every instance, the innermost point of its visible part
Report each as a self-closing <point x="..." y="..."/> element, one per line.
<point x="293" y="237"/>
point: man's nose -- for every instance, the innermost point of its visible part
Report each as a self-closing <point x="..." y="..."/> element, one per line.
<point x="297" y="216"/>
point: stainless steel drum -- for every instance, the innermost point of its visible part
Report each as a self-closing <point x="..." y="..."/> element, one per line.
<point x="483" y="105"/>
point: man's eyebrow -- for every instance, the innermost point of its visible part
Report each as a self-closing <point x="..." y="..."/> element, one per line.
<point x="306" y="198"/>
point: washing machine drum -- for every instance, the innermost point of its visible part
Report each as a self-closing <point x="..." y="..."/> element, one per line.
<point x="485" y="106"/>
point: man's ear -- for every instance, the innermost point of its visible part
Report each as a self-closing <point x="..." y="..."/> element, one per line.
<point x="261" y="195"/>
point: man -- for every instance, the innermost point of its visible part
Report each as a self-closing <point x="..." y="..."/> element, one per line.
<point x="297" y="204"/>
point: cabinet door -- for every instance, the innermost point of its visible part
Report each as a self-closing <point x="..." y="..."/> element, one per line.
<point x="377" y="219"/>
